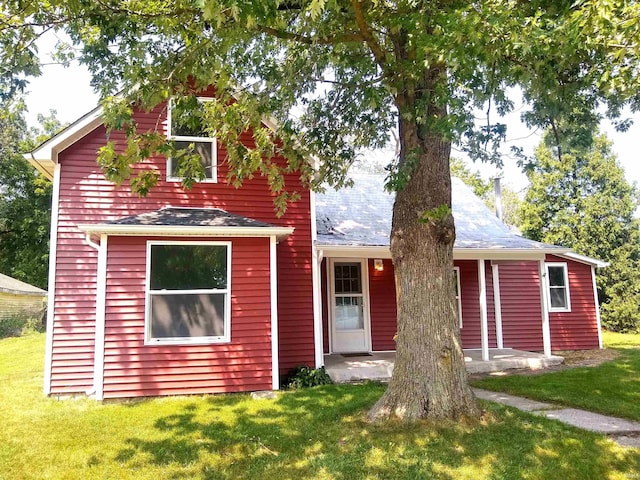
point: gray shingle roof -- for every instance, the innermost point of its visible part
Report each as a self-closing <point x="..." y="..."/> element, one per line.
<point x="190" y="217"/>
<point x="11" y="285"/>
<point x="361" y="216"/>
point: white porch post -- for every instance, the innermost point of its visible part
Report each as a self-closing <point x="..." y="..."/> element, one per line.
<point x="273" y="270"/>
<point x="496" y="302"/>
<point x="544" y="298"/>
<point x="316" y="262"/>
<point x="484" y="323"/>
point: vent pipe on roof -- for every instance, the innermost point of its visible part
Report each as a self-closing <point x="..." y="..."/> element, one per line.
<point x="498" y="197"/>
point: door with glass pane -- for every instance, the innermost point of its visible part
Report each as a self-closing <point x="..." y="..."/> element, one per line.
<point x="350" y="323"/>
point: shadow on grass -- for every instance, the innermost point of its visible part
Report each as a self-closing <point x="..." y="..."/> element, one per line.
<point x="322" y="433"/>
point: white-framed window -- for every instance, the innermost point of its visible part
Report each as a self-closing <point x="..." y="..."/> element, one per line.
<point x="185" y="128"/>
<point x="456" y="274"/>
<point x="558" y="284"/>
<point x="188" y="292"/>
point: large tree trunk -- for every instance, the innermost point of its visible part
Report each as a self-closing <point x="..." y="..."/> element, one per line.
<point x="429" y="379"/>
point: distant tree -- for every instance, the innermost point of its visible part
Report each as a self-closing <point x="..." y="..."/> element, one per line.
<point x="579" y="198"/>
<point x="25" y="204"/>
<point x="484" y="189"/>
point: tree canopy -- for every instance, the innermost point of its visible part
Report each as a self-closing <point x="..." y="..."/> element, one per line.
<point x="579" y="198"/>
<point x="25" y="204"/>
<point x="337" y="76"/>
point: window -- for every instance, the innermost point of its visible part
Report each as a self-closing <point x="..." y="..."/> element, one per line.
<point x="456" y="274"/>
<point x="188" y="292"/>
<point x="348" y="296"/>
<point x="185" y="128"/>
<point x="558" y="282"/>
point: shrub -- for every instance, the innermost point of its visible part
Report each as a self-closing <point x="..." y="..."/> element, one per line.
<point x="26" y="321"/>
<point x="621" y="314"/>
<point x="11" y="327"/>
<point x="304" y="377"/>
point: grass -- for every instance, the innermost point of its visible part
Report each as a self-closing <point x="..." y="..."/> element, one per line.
<point x="317" y="433"/>
<point x="612" y="388"/>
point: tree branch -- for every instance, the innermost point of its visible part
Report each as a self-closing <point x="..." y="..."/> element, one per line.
<point x="283" y="34"/>
<point x="367" y="36"/>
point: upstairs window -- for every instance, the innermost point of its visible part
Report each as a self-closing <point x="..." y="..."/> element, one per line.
<point x="558" y="283"/>
<point x="185" y="128"/>
<point x="188" y="292"/>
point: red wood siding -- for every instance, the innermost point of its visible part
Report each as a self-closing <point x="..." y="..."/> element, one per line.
<point x="521" y="307"/>
<point x="86" y="197"/>
<point x="133" y="369"/>
<point x="470" y="299"/>
<point x="577" y="329"/>
<point x="382" y="294"/>
<point x="383" y="305"/>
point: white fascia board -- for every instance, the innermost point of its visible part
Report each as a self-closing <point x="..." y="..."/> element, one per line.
<point x="501" y="253"/>
<point x="45" y="156"/>
<point x="584" y="259"/>
<point x="185" y="231"/>
<point x="348" y="251"/>
<point x="359" y="251"/>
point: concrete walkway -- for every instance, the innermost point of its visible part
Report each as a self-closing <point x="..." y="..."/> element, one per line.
<point x="624" y="432"/>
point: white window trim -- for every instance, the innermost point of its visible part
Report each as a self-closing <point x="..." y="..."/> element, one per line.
<point x="186" y="138"/>
<point x="226" y="338"/>
<point x="459" y="295"/>
<point x="562" y="265"/>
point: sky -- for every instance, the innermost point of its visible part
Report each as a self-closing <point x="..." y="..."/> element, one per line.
<point x="68" y="91"/>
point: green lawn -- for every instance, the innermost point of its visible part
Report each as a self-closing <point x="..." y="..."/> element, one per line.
<point x="315" y="433"/>
<point x="612" y="388"/>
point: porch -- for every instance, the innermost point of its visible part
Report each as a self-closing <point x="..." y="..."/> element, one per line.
<point x="379" y="365"/>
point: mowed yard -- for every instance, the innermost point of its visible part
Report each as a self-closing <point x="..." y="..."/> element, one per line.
<point x="612" y="388"/>
<point x="318" y="433"/>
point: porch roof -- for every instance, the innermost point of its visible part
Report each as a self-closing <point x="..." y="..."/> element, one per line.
<point x="185" y="221"/>
<point x="361" y="217"/>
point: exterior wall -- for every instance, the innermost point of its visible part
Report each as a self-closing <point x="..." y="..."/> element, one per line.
<point x="87" y="197"/>
<point x="521" y="305"/>
<point x="133" y="369"/>
<point x="577" y="329"/>
<point x="12" y="304"/>
<point x="470" y="299"/>
<point x="382" y="293"/>
<point x="382" y="302"/>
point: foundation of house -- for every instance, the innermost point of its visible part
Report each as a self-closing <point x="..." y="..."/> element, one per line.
<point x="379" y="365"/>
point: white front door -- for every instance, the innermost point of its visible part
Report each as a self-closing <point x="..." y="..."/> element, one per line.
<point x="349" y="309"/>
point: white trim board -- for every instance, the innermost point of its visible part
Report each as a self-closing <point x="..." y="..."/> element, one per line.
<point x="273" y="284"/>
<point x="364" y="272"/>
<point x="101" y="313"/>
<point x="185" y="231"/>
<point x="316" y="260"/>
<point x="225" y="338"/>
<point x="53" y="245"/>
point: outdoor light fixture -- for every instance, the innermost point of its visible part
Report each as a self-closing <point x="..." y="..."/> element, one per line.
<point x="378" y="264"/>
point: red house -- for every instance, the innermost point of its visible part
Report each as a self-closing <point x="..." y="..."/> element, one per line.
<point x="207" y="291"/>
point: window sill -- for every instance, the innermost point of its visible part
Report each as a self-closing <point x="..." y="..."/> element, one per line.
<point x="187" y="341"/>
<point x="178" y="179"/>
<point x="559" y="310"/>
